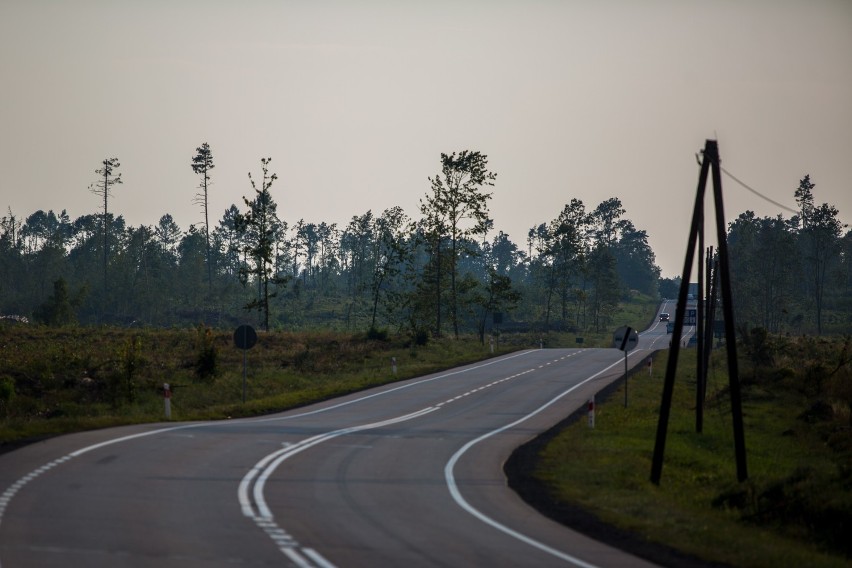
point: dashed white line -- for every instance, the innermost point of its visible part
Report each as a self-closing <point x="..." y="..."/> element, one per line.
<point x="460" y="500"/>
<point x="262" y="470"/>
<point x="259" y="474"/>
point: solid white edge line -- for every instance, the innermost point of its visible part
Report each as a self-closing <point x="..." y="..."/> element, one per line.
<point x="245" y="483"/>
<point x="130" y="437"/>
<point x="401" y="387"/>
<point x="10" y="491"/>
<point x="296" y="558"/>
<point x="243" y="489"/>
<point x="278" y="457"/>
<point x="263" y="469"/>
<point x="457" y="496"/>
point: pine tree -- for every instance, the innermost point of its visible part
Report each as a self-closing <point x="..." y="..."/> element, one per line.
<point x="202" y="163"/>
<point x="108" y="178"/>
<point x="262" y="227"/>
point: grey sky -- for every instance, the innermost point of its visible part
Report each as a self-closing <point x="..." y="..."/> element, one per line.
<point x="355" y="101"/>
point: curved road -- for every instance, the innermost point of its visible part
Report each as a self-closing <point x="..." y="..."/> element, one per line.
<point x="409" y="474"/>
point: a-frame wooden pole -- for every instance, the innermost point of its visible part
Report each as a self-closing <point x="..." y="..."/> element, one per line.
<point x="711" y="158"/>
<point x="706" y="341"/>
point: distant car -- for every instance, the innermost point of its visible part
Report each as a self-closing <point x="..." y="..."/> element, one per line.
<point x="664" y="316"/>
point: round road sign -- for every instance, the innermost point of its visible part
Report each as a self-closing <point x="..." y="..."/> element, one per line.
<point x="245" y="337"/>
<point x="625" y="338"/>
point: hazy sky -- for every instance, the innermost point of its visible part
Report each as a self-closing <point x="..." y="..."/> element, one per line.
<point x="354" y="101"/>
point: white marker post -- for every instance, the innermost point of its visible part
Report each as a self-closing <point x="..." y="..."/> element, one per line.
<point x="650" y="371"/>
<point x="492" y="344"/>
<point x="167" y="397"/>
<point x="393" y="365"/>
<point x="592" y="412"/>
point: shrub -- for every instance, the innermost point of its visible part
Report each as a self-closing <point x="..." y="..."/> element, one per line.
<point x="7" y="395"/>
<point x="205" y="361"/>
<point x="377" y="334"/>
<point x="421" y="337"/>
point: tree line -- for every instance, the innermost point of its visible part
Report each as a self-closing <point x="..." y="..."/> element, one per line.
<point x="439" y="273"/>
<point x="793" y="275"/>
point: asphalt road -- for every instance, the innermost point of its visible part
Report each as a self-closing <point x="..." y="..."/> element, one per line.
<point x="405" y="475"/>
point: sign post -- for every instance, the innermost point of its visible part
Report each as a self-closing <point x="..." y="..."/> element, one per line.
<point x="167" y="397"/>
<point x="244" y="338"/>
<point x="625" y="338"/>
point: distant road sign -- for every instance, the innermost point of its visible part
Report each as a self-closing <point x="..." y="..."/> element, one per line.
<point x="625" y="338"/>
<point x="691" y="317"/>
<point x="245" y="337"/>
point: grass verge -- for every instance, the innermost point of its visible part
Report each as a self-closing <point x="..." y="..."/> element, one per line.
<point x="56" y="381"/>
<point x="794" y="510"/>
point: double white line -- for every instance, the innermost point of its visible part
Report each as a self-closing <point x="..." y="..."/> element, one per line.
<point x="253" y="503"/>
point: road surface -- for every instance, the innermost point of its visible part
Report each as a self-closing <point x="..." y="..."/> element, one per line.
<point x="409" y="474"/>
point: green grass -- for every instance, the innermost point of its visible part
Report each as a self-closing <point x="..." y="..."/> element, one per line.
<point x="73" y="379"/>
<point x="54" y="381"/>
<point x="781" y="516"/>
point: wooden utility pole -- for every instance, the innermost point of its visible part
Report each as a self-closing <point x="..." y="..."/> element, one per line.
<point x="700" y="332"/>
<point x="710" y="162"/>
<point x="712" y="272"/>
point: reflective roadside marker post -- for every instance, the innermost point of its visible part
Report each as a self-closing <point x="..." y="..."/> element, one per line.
<point x="625" y="338"/>
<point x="592" y="412"/>
<point x="244" y="338"/>
<point x="650" y="361"/>
<point x="167" y="397"/>
<point x="393" y="365"/>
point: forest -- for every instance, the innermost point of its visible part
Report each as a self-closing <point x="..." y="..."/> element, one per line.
<point x="442" y="272"/>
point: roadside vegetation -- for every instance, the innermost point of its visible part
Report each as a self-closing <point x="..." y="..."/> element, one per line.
<point x="60" y="380"/>
<point x="795" y="509"/>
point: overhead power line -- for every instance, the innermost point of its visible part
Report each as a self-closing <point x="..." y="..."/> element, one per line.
<point x="757" y="193"/>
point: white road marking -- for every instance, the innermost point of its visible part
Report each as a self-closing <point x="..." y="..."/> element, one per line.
<point x="15" y="487"/>
<point x="460" y="500"/>
<point x="264" y="468"/>
<point x="261" y="472"/>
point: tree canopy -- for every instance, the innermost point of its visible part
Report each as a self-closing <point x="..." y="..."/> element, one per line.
<point x="446" y="271"/>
